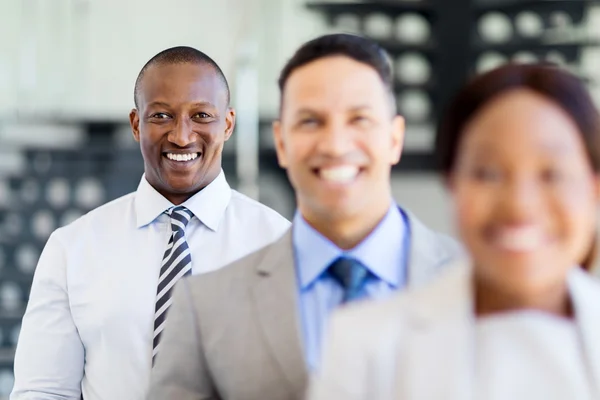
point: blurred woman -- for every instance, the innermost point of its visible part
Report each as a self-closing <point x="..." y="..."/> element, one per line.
<point x="520" y="153"/>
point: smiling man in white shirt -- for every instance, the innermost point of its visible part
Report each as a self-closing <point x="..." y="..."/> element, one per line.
<point x="103" y="283"/>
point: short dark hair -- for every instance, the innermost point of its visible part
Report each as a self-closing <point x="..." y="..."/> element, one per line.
<point x="355" y="47"/>
<point x="552" y="82"/>
<point x="180" y="55"/>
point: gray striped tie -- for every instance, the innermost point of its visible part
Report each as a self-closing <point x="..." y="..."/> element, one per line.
<point x="177" y="262"/>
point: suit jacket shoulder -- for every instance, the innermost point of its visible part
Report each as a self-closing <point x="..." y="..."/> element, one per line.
<point x="218" y="290"/>
<point x="245" y="321"/>
<point x="429" y="252"/>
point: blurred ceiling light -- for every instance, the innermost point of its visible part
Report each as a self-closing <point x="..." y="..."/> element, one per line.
<point x="412" y="28"/>
<point x="561" y="19"/>
<point x="10" y="296"/>
<point x="348" y="23"/>
<point x="495" y="27"/>
<point x="42" y="224"/>
<point x="556" y="57"/>
<point x="529" y="24"/>
<point x="525" y="57"/>
<point x="379" y="26"/>
<point x="58" y="192"/>
<point x="414" y="105"/>
<point x="413" y="68"/>
<point x="70" y="216"/>
<point x="490" y="60"/>
<point x="89" y="193"/>
<point x="26" y="258"/>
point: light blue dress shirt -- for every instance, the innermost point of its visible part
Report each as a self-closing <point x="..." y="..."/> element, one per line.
<point x="383" y="252"/>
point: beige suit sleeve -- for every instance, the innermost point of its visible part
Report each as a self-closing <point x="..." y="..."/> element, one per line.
<point x="180" y="371"/>
<point x="343" y="372"/>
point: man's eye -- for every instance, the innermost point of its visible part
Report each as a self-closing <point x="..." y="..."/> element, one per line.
<point x="308" y="122"/>
<point x="160" y="115"/>
<point x="360" y="119"/>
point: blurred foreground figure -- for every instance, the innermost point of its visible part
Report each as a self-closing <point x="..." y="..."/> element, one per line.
<point x="520" y="152"/>
<point x="253" y="330"/>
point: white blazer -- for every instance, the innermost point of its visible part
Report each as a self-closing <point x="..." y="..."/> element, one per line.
<point x="420" y="345"/>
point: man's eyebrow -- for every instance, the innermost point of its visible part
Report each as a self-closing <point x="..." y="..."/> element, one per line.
<point x="204" y="104"/>
<point x="306" y="110"/>
<point x="158" y="103"/>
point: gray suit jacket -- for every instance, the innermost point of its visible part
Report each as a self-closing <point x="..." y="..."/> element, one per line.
<point x="234" y="334"/>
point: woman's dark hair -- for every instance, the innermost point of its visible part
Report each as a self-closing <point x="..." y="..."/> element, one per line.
<point x="557" y="85"/>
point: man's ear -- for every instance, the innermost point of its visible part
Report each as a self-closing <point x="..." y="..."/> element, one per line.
<point x="134" y="121"/>
<point x="398" y="128"/>
<point x="279" y="144"/>
<point x="229" y="123"/>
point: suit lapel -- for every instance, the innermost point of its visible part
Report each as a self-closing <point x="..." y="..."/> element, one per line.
<point x="585" y="293"/>
<point x="441" y="335"/>
<point x="275" y="295"/>
<point x="427" y="253"/>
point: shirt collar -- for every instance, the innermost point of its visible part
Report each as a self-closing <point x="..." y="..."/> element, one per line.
<point x="382" y="251"/>
<point x="208" y="205"/>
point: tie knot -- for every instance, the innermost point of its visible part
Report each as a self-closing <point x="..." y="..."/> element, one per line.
<point x="180" y="217"/>
<point x="350" y="273"/>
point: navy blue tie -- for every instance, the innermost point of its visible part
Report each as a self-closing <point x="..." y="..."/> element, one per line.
<point x="352" y="275"/>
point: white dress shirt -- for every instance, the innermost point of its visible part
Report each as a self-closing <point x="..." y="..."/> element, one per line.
<point x="88" y="326"/>
<point x="528" y="355"/>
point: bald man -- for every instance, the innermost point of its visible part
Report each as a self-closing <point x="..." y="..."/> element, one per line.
<point x="103" y="284"/>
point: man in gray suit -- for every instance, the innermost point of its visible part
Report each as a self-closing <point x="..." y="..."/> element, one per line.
<point x="252" y="331"/>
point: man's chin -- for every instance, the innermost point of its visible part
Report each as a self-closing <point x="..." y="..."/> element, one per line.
<point x="182" y="188"/>
<point x="338" y="211"/>
<point x="182" y="183"/>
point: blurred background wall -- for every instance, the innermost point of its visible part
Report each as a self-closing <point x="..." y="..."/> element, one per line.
<point x="67" y="70"/>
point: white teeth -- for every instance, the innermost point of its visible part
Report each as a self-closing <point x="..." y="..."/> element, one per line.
<point x="182" y="157"/>
<point x="526" y="238"/>
<point x="341" y="174"/>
